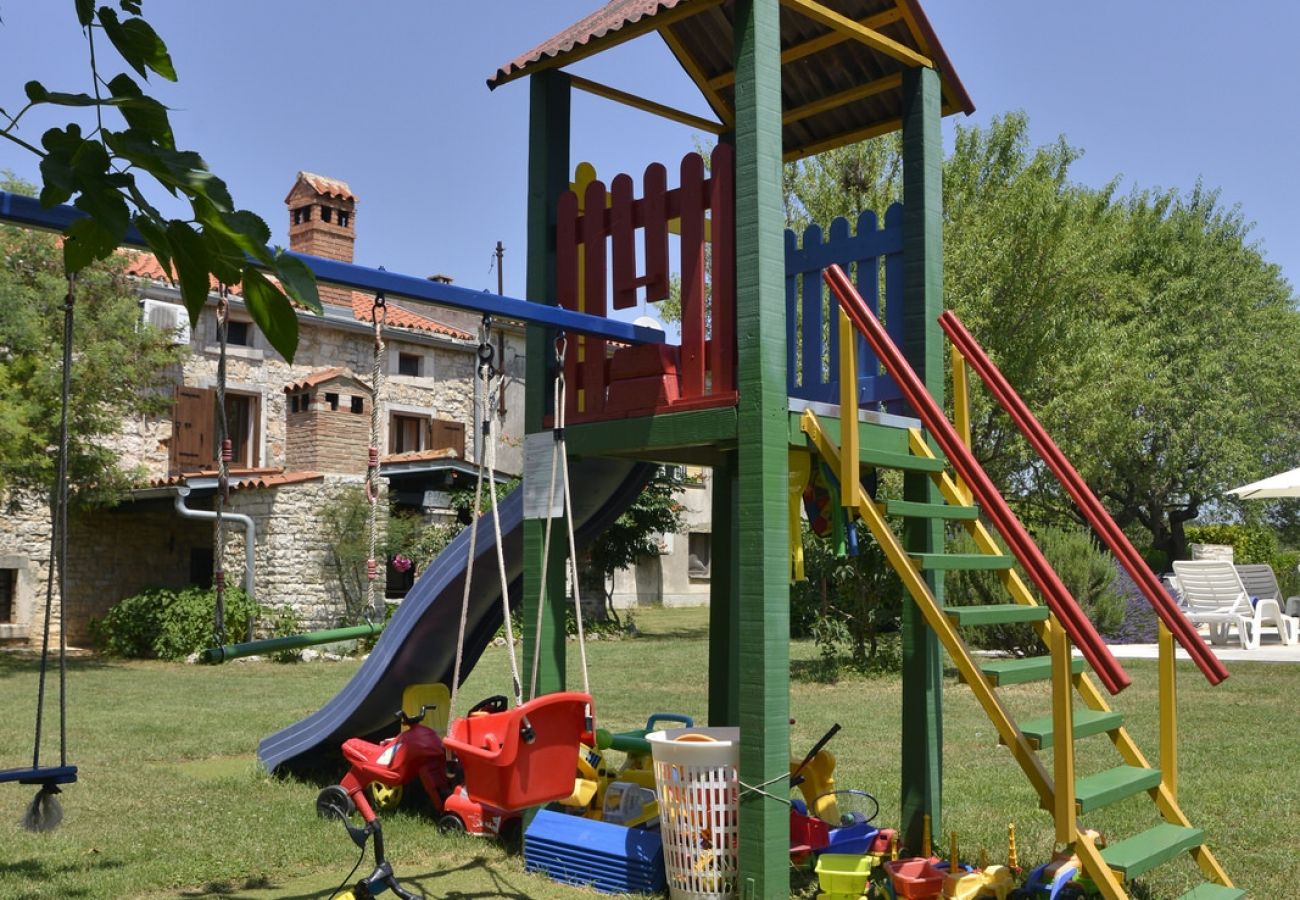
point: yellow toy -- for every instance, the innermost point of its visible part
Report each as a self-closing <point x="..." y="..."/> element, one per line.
<point x="990" y="881"/>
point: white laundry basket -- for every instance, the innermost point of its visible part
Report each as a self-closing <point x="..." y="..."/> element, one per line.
<point x="699" y="805"/>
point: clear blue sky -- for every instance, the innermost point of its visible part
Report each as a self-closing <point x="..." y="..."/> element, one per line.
<point x="391" y="98"/>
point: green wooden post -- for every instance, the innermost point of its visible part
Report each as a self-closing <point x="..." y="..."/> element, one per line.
<point x="724" y="636"/>
<point x="922" y="727"/>
<point x="548" y="178"/>
<point x="764" y="596"/>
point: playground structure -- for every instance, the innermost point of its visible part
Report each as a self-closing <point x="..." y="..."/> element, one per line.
<point x="744" y="393"/>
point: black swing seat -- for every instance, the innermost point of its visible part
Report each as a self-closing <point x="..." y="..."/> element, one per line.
<point x="40" y="775"/>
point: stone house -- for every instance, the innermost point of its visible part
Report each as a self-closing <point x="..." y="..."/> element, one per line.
<point x="300" y="434"/>
<point x="680" y="575"/>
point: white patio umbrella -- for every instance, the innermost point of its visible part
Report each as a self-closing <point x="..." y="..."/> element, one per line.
<point x="1286" y="484"/>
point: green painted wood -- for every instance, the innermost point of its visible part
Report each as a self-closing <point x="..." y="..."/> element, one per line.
<point x="650" y="434"/>
<point x="1001" y="672"/>
<point x="1210" y="891"/>
<point x="921" y="756"/>
<point x="548" y="177"/>
<point x="1087" y="722"/>
<point x="962" y="562"/>
<point x="1113" y="785"/>
<point x="904" y="461"/>
<point x="932" y="510"/>
<point x="997" y="614"/>
<point x="871" y="435"/>
<point x="763" y="680"/>
<point x="1141" y="853"/>
<point x="724" y="599"/>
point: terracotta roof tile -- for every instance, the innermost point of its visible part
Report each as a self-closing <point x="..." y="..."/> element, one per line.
<point x="321" y="376"/>
<point x="243" y="479"/>
<point x="420" y="456"/>
<point x="328" y="187"/>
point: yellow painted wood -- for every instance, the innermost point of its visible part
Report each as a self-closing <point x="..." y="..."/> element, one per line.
<point x="816" y="45"/>
<point x="916" y="586"/>
<point x="861" y="92"/>
<point x="869" y="36"/>
<point x="1102" y="875"/>
<point x="696" y="74"/>
<point x="650" y="106"/>
<point x="852" y="137"/>
<point x="800" y="473"/>
<point x="1168" y="680"/>
<point x="612" y="38"/>
<point x="1063" y="812"/>
<point x="849" y="449"/>
<point x="961" y="411"/>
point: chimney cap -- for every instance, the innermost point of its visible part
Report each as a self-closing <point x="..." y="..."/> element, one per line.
<point x="441" y="279"/>
<point x="322" y="185"/>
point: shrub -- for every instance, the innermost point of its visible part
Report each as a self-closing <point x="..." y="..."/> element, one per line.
<point x="1085" y="569"/>
<point x="170" y="624"/>
<point x="1250" y="543"/>
<point x="1284" y="564"/>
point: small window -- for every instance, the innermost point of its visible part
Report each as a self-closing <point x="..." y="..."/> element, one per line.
<point x="344" y="217"/>
<point x="700" y="559"/>
<point x="325" y="213"/>
<point x="408" y="364"/>
<point x="302" y="214"/>
<point x="8" y="589"/>
<point x="407" y="434"/>
<point x="239" y="333"/>
<point x="332" y="400"/>
<point x="243" y="419"/>
<point x="358" y="405"/>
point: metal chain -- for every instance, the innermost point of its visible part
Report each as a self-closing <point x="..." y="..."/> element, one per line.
<point x="223" y="465"/>
<point x="379" y="316"/>
<point x="58" y="550"/>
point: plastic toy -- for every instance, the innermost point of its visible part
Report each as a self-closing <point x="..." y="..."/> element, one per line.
<point x="1061" y="878"/>
<point x="969" y="884"/>
<point x="596" y="777"/>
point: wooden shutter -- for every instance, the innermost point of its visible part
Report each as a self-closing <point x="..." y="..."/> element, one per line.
<point x="193" y="444"/>
<point x="449" y="435"/>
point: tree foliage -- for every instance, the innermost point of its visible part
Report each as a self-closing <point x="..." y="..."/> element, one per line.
<point x="119" y="369"/>
<point x="102" y="171"/>
<point x="1146" y="331"/>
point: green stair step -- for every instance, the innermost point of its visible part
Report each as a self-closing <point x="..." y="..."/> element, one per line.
<point x="916" y="510"/>
<point x="1023" y="670"/>
<point x="1112" y="786"/>
<point x="997" y="614"/>
<point x="1141" y="853"/>
<point x="1210" y="891"/>
<point x="967" y="562"/>
<point x="1087" y="722"/>
<point x="885" y="459"/>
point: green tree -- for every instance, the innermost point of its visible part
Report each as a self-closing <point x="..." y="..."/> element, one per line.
<point x="119" y="372"/>
<point x="1146" y="332"/>
<point x="100" y="170"/>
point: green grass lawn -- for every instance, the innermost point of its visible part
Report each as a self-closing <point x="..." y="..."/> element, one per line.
<point x="171" y="803"/>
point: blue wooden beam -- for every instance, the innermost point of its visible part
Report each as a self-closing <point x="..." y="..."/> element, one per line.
<point x="28" y="212"/>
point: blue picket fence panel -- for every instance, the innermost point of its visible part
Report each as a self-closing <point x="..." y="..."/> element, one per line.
<point x="872" y="255"/>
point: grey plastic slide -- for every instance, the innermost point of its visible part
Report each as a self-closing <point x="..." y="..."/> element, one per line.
<point x="419" y="644"/>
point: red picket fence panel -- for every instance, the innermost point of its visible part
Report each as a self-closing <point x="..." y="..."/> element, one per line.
<point x="597" y="271"/>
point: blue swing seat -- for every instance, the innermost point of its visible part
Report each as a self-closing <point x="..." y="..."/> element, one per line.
<point x="40" y="775"/>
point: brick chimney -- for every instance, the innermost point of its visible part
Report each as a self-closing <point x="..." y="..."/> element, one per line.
<point x="322" y="222"/>
<point x="327" y="423"/>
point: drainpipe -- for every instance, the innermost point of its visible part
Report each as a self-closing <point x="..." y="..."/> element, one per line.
<point x="250" y="532"/>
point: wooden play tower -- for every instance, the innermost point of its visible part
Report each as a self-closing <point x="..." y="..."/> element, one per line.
<point x="765" y="369"/>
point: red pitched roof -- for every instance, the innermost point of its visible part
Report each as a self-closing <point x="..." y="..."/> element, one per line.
<point x="420" y="455"/>
<point x="326" y="187"/>
<point x="320" y="377"/>
<point x="145" y="265"/>
<point x="243" y="479"/>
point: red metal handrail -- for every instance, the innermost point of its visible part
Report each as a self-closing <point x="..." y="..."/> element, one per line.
<point x="1091" y="507"/>
<point x="1058" y="597"/>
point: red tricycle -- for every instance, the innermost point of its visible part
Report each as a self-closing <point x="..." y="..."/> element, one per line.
<point x="416" y="752"/>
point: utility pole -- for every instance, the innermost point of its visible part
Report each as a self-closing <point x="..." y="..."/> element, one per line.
<point x="501" y="337"/>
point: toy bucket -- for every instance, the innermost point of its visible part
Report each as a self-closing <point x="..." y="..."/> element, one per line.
<point x="699" y="798"/>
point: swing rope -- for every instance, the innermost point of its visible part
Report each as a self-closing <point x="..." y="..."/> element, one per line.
<point x="44" y="812"/>
<point x="379" y="316"/>
<point x="223" y="466"/>
<point x="492" y="387"/>
<point x="560" y="461"/>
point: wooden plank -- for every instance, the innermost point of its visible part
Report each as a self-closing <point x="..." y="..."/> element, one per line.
<point x="697" y="75"/>
<point x="961" y="562"/>
<point x="868" y="36"/>
<point x="622" y="243"/>
<point x="1041" y="731"/>
<point x="653" y="434"/>
<point x="722" y="202"/>
<point x="592" y="362"/>
<point x="654" y="230"/>
<point x="996" y="614"/>
<point x="1022" y="671"/>
<point x="931" y="510"/>
<point x="650" y="106"/>
<point x="1112" y="785"/>
<point x="1137" y="855"/>
<point x="852" y="95"/>
<point x="691" y="366"/>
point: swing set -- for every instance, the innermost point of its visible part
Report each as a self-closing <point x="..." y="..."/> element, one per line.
<point x="44" y="813"/>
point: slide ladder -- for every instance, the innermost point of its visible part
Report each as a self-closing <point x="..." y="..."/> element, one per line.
<point x="1078" y="705"/>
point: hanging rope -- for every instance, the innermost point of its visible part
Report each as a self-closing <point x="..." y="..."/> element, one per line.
<point x="378" y="315"/>
<point x="223" y="465"/>
<point x="559" y="464"/>
<point x="486" y="462"/>
<point x="44" y="812"/>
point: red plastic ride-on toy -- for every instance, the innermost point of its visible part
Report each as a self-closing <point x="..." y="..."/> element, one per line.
<point x="417" y="752"/>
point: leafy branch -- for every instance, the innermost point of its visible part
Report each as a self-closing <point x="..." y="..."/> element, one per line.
<point x="97" y="171"/>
